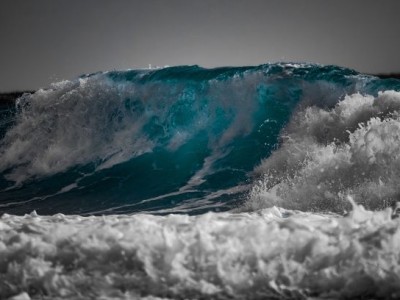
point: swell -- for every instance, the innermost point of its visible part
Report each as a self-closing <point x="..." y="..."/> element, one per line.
<point x="181" y="139"/>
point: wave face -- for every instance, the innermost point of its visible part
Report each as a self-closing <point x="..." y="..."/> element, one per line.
<point x="180" y="139"/>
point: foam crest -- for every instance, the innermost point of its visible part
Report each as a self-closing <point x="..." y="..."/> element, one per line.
<point x="97" y="120"/>
<point x="327" y="154"/>
<point x="74" y="122"/>
<point x="271" y="253"/>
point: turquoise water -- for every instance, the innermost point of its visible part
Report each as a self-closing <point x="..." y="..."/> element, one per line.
<point x="179" y="139"/>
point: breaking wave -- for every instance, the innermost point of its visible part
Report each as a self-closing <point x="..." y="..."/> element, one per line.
<point x="181" y="139"/>
<point x="279" y="181"/>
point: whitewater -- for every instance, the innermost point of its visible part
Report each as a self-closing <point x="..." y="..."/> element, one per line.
<point x="278" y="181"/>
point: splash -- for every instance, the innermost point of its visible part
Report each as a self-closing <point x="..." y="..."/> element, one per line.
<point x="328" y="154"/>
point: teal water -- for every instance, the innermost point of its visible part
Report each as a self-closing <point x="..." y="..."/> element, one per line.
<point x="179" y="139"/>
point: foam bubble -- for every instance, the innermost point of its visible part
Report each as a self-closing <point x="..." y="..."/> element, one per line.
<point x="270" y="253"/>
<point x="327" y="154"/>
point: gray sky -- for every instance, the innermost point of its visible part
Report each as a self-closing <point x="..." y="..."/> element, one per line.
<point x="43" y="41"/>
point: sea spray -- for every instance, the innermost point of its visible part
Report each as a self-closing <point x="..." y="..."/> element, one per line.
<point x="327" y="154"/>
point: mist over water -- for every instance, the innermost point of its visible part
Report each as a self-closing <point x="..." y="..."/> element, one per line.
<point x="282" y="181"/>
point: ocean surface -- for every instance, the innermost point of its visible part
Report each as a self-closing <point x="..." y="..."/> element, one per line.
<point x="278" y="181"/>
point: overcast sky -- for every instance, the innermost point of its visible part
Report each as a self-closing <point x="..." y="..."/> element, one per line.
<point x="43" y="41"/>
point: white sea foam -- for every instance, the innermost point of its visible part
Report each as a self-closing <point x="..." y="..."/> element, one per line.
<point x="327" y="154"/>
<point x="70" y="124"/>
<point x="97" y="120"/>
<point x="270" y="253"/>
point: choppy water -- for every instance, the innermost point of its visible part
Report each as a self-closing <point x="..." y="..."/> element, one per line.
<point x="276" y="181"/>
